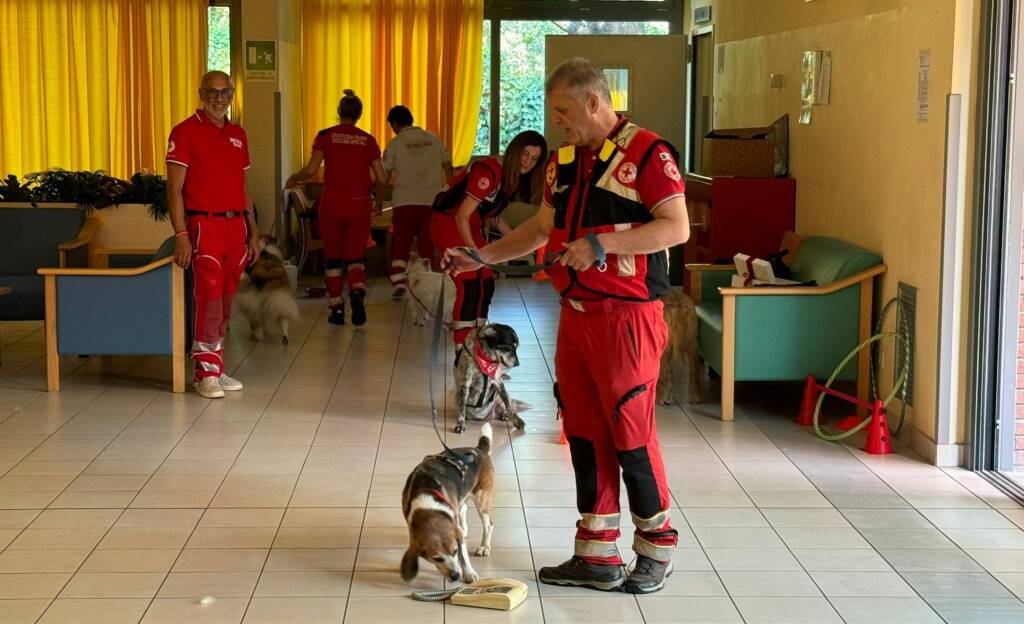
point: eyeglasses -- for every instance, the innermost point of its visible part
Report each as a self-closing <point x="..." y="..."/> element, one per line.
<point x="213" y="94"/>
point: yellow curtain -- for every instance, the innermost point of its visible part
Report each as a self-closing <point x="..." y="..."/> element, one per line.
<point x="96" y="84"/>
<point x="425" y="54"/>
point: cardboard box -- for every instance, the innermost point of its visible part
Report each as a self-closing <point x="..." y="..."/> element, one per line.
<point x="748" y="152"/>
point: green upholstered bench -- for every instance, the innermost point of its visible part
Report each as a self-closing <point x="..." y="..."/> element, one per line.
<point x="787" y="333"/>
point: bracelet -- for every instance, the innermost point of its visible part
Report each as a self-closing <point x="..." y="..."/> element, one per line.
<point x="181" y="233"/>
<point x="602" y="259"/>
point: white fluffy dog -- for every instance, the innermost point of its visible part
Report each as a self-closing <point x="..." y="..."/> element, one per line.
<point x="424" y="289"/>
<point x="265" y="295"/>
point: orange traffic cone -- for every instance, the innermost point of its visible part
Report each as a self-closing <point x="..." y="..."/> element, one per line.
<point x="809" y="402"/>
<point x="561" y="436"/>
<point x="370" y="242"/>
<point x="879" y="441"/>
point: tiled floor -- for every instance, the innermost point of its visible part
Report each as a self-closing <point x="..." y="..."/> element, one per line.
<point x="122" y="502"/>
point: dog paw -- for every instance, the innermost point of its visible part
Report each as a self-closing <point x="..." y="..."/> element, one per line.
<point x="460" y="428"/>
<point x="695" y="398"/>
<point x="284" y="339"/>
<point x="257" y="336"/>
<point x="518" y="422"/>
<point x="470" y="577"/>
<point x="482" y="551"/>
<point x="665" y="401"/>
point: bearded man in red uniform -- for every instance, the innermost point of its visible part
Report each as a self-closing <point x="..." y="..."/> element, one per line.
<point x="214" y="226"/>
<point x="613" y="204"/>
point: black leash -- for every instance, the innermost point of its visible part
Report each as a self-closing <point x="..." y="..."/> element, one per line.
<point x="528" y="269"/>
<point x="434" y="350"/>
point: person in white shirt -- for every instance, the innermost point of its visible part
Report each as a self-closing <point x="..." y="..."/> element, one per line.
<point x="420" y="166"/>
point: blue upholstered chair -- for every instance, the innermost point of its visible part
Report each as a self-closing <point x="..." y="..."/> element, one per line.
<point x="787" y="333"/>
<point x="31" y="238"/>
<point x="131" y="311"/>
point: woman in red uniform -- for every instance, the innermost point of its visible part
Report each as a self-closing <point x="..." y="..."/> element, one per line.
<point x="480" y="193"/>
<point x="351" y="160"/>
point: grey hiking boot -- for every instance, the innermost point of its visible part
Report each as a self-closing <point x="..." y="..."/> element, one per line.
<point x="648" y="576"/>
<point x="576" y="572"/>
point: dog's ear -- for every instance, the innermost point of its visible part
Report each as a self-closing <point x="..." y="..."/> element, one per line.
<point x="487" y="331"/>
<point x="410" y="565"/>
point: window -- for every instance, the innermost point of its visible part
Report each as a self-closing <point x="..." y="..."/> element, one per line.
<point x="483" y="132"/>
<point x="218" y="51"/>
<point x="521" y="67"/>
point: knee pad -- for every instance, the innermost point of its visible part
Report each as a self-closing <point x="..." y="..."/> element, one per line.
<point x="641" y="484"/>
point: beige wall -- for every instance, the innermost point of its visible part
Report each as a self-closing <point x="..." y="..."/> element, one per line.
<point x="866" y="169"/>
<point x="261" y="22"/>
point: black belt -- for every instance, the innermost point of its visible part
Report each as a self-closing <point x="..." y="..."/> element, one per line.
<point x="230" y="214"/>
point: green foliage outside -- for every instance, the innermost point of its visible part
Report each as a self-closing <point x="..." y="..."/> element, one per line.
<point x="522" y="71"/>
<point x="218" y="52"/>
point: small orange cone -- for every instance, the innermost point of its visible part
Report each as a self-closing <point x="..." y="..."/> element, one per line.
<point x="370" y="242"/>
<point x="806" y="416"/>
<point x="540" y="276"/>
<point x="879" y="441"/>
<point x="561" y="435"/>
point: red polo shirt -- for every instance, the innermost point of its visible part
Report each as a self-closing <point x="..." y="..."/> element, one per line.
<point x="216" y="159"/>
<point x="348" y="155"/>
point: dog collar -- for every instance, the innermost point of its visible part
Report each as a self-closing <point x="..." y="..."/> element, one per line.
<point x="487" y="366"/>
<point x="440" y="496"/>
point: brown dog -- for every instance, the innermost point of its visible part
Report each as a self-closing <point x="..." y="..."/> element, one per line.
<point x="434" y="503"/>
<point x="681" y="318"/>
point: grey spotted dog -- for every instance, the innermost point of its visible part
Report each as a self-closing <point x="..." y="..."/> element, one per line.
<point x="488" y="353"/>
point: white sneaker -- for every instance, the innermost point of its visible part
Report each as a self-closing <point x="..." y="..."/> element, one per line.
<point x="229" y="383"/>
<point x="208" y="388"/>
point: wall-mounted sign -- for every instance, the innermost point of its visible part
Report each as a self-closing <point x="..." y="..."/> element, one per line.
<point x="261" y="60"/>
<point x="702" y="14"/>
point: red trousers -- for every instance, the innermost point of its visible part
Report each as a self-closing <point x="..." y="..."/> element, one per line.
<point x="473" y="289"/>
<point x="607" y="366"/>
<point x="219" y="255"/>
<point x="407" y="222"/>
<point x="344" y="228"/>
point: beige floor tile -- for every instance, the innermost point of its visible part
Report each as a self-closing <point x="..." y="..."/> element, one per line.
<point x="609" y="609"/>
<point x="242" y="518"/>
<point x="285" y="584"/>
<point x="113" y="585"/>
<point x="38" y="561"/>
<point x="787" y="611"/>
<point x="232" y="538"/>
<point x="315" y="560"/>
<point x="867" y="584"/>
<point x="91" y="611"/>
<point x="93" y="500"/>
<point x="180" y="610"/>
<point x="305" y="610"/>
<point x="159" y="519"/>
<point x="668" y="610"/>
<point x="146" y="560"/>
<point x="393" y="611"/>
<point x="309" y="537"/>
<point x="57" y="539"/>
<point x="365" y="584"/>
<point x="29" y="586"/>
<point x="76" y="519"/>
<point x="24" y="611"/>
<point x="221" y="560"/>
<point x="129" y="538"/>
<point x="17" y="519"/>
<point x="217" y="584"/>
<point x="319" y="518"/>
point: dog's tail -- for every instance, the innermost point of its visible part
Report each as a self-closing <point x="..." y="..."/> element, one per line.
<point x="485" y="438"/>
<point x="281" y="304"/>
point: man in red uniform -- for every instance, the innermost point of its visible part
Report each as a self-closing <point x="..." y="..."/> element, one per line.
<point x="614" y="204"/>
<point x="212" y="214"/>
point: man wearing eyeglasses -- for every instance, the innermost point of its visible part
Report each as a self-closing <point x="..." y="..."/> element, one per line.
<point x="214" y="226"/>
